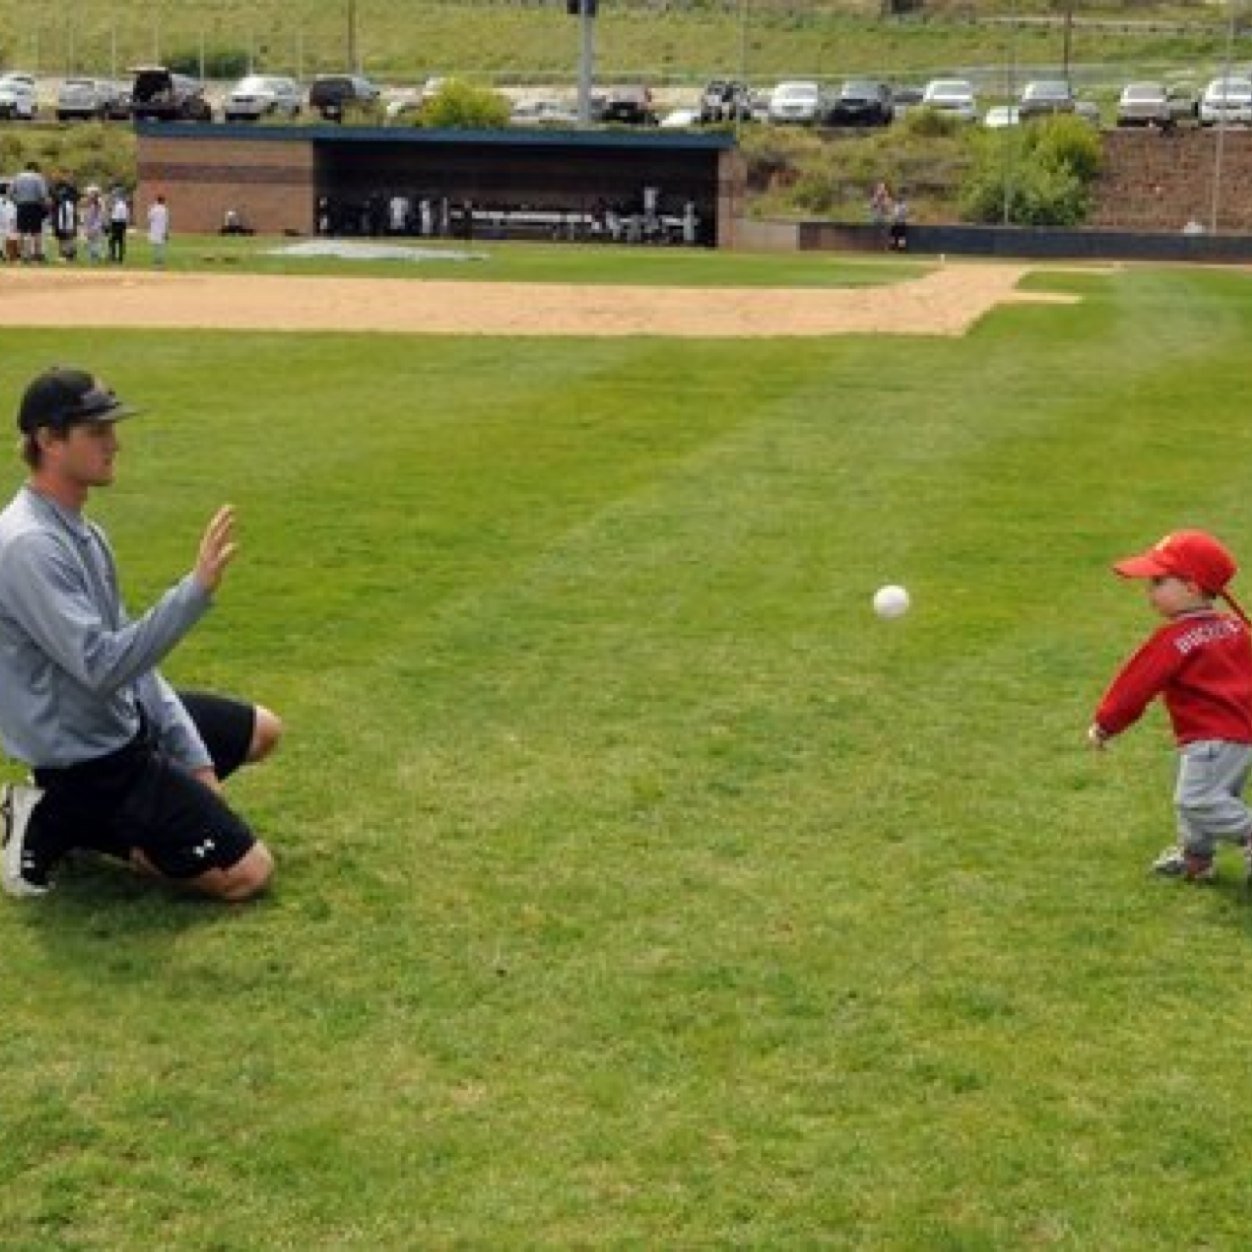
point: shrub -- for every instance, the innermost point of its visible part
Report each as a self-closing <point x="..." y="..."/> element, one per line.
<point x="460" y="105"/>
<point x="1068" y="141"/>
<point x="928" y="123"/>
<point x="1036" y="175"/>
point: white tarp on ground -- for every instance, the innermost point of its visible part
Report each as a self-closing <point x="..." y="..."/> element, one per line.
<point x="358" y="250"/>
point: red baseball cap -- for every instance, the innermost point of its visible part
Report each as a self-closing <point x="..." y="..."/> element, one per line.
<point x="1193" y="555"/>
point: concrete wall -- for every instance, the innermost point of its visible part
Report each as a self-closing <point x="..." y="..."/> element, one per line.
<point x="1032" y="242"/>
<point x="751" y="235"/>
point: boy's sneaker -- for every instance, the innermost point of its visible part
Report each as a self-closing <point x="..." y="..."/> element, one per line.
<point x="24" y="872"/>
<point x="1176" y="862"/>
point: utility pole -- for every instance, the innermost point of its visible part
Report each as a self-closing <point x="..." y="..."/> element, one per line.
<point x="353" y="63"/>
<point x="585" y="11"/>
<point x="1010" y="130"/>
<point x="1069" y="35"/>
<point x="1219" y="148"/>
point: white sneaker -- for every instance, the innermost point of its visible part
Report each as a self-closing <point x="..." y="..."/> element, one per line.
<point x="1177" y="862"/>
<point x="23" y="872"/>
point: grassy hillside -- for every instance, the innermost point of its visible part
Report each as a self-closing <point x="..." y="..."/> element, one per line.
<point x="685" y="40"/>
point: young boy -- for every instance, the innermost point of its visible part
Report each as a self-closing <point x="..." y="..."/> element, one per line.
<point x="1200" y="663"/>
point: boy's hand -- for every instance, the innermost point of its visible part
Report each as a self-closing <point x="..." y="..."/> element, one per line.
<point x="1096" y="737"/>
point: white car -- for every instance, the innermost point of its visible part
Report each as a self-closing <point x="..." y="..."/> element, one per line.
<point x="18" y="99"/>
<point x="952" y="95"/>
<point x="796" y="102"/>
<point x="680" y="119"/>
<point x="262" y="95"/>
<point x="1000" y="116"/>
<point x="1227" y="101"/>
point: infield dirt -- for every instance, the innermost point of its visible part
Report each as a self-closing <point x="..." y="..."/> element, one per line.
<point x="946" y="301"/>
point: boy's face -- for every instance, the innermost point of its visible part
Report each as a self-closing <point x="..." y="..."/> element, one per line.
<point x="1170" y="596"/>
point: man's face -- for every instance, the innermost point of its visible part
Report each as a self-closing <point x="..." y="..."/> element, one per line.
<point x="84" y="455"/>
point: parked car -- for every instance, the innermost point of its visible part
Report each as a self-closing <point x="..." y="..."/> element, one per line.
<point x="263" y="95"/>
<point x="796" y="103"/>
<point x="952" y="95"/>
<point x="1184" y="102"/>
<point x="725" y="100"/>
<point x="1154" y="104"/>
<point x="331" y="94"/>
<point x="861" y="102"/>
<point x="1089" y="111"/>
<point x="904" y="98"/>
<point x="1045" y="98"/>
<point x="159" y="95"/>
<point x="83" y="99"/>
<point x="1144" y="104"/>
<point x="1227" y="101"/>
<point x="631" y="105"/>
<point x="119" y="107"/>
<point x="554" y="113"/>
<point x="680" y="119"/>
<point x="1000" y="116"/>
<point x="19" y="100"/>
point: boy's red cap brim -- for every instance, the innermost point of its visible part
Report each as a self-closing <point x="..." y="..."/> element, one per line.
<point x="1193" y="555"/>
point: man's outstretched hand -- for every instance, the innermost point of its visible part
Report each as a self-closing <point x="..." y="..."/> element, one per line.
<point x="217" y="549"/>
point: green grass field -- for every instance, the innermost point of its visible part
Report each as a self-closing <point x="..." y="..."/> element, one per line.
<point x="638" y="888"/>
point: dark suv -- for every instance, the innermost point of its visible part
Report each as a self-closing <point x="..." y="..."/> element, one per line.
<point x="331" y="94"/>
<point x="631" y="105"/>
<point x="159" y="95"/>
<point x="862" y="102"/>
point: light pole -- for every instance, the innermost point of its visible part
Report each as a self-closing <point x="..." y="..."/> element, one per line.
<point x="1219" y="150"/>
<point x="1010" y="127"/>
<point x="1069" y="36"/>
<point x="586" y="58"/>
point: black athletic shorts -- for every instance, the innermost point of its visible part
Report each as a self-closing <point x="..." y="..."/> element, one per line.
<point x="30" y="218"/>
<point x="137" y="797"/>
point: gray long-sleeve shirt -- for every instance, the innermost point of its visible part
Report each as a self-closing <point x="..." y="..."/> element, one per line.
<point x="74" y="668"/>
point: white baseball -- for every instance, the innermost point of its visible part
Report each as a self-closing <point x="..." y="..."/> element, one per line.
<point x="891" y="601"/>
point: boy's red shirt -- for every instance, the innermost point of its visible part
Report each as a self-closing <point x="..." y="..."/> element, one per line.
<point x="1201" y="663"/>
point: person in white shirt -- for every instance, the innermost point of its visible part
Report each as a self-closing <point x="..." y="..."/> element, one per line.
<point x="10" y="240"/>
<point x="158" y="229"/>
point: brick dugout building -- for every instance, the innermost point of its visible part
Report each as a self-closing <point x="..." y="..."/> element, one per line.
<point x="276" y="177"/>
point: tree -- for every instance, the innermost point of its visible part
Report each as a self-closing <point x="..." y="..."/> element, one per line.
<point x="459" y="105"/>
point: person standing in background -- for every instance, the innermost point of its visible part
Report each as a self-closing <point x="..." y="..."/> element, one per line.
<point x="158" y="230"/>
<point x="29" y="192"/>
<point x="119" y="224"/>
<point x="95" y="225"/>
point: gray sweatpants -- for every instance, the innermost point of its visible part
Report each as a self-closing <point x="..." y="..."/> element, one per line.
<point x="1208" y="795"/>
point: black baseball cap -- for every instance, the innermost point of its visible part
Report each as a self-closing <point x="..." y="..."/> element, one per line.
<point x="62" y="396"/>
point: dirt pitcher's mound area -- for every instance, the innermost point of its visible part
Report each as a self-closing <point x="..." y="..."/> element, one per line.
<point x="947" y="301"/>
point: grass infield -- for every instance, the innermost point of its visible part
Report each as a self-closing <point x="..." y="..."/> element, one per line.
<point x="638" y="887"/>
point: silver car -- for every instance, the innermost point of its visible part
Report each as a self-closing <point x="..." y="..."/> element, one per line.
<point x="85" y="98"/>
<point x="18" y="100"/>
<point x="796" y="102"/>
<point x="1227" y="101"/>
<point x="263" y="95"/>
<point x="952" y="95"/>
